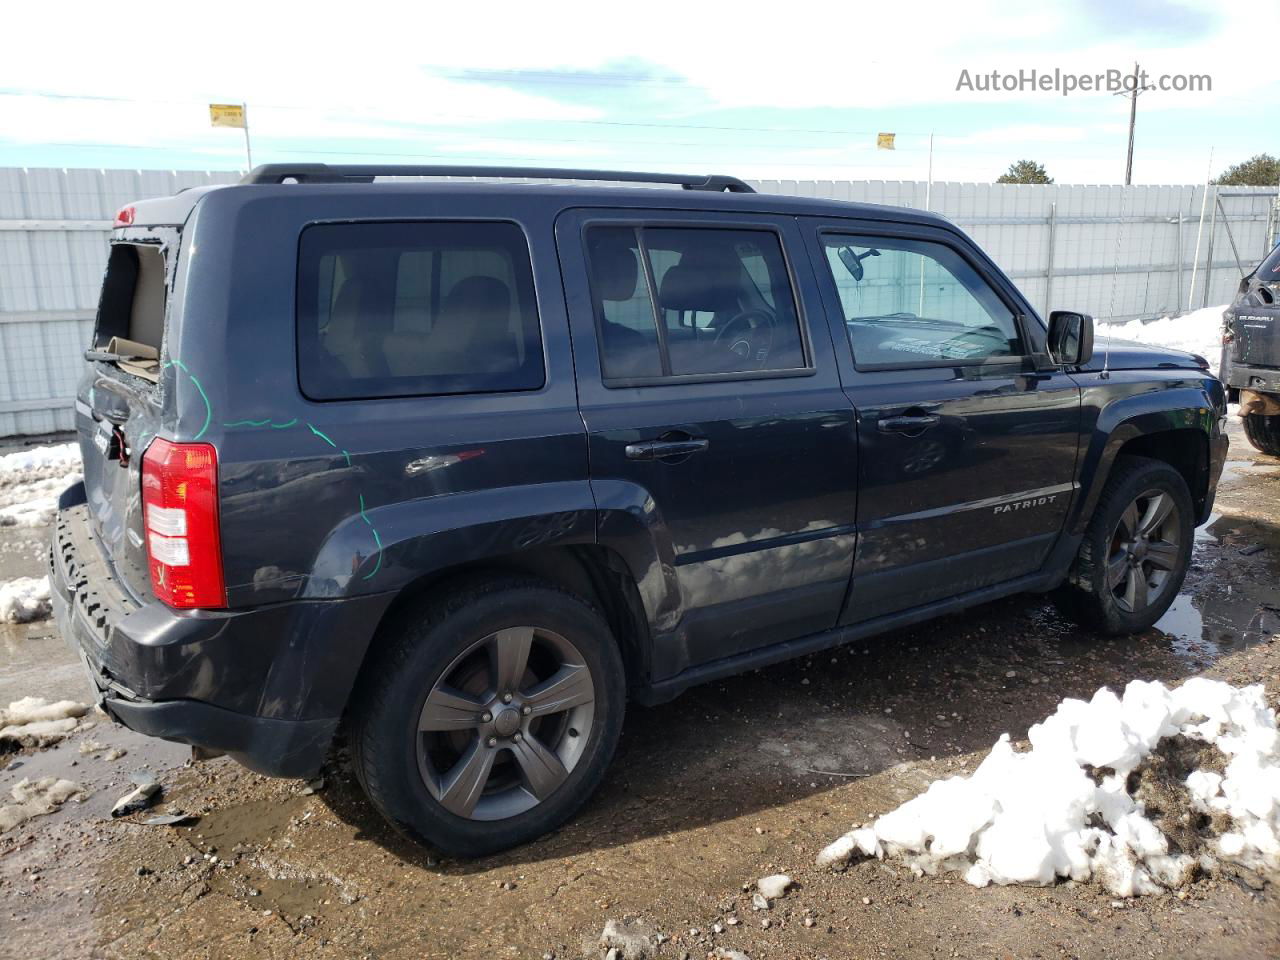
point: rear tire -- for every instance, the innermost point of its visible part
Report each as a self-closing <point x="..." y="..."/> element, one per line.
<point x="1263" y="432"/>
<point x="490" y="717"/>
<point x="1135" y="551"/>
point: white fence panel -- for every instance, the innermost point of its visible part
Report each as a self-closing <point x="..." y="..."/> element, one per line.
<point x="1115" y="252"/>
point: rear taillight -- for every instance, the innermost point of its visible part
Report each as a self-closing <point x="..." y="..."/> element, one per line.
<point x="180" y="512"/>
<point x="124" y="217"/>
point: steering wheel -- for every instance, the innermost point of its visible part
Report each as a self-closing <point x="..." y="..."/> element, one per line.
<point x="749" y="336"/>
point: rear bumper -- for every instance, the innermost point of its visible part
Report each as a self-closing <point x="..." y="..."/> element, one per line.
<point x="277" y="748"/>
<point x="267" y="685"/>
<point x="1241" y="376"/>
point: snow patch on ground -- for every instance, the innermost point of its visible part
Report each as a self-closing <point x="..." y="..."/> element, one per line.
<point x="1065" y="808"/>
<point x="32" y="504"/>
<point x="25" y="491"/>
<point x="39" y="462"/>
<point x="35" y="798"/>
<point x="1199" y="331"/>
<point x="30" y="481"/>
<point x="35" y="722"/>
<point x="628" y="939"/>
<point x="32" y="513"/>
<point x="24" y="600"/>
<point x="35" y="709"/>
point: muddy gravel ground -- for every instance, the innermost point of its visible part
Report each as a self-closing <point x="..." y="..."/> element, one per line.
<point x="729" y="783"/>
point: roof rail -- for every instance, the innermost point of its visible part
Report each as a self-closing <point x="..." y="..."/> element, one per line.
<point x="365" y="173"/>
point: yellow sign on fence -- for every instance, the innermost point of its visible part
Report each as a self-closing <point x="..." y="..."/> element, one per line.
<point x="884" y="141"/>
<point x="226" y="114"/>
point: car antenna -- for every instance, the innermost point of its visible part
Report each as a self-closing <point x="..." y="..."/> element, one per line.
<point x="1115" y="278"/>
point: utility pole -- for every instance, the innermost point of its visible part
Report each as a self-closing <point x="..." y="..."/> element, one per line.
<point x="1133" y="120"/>
<point x="1136" y="89"/>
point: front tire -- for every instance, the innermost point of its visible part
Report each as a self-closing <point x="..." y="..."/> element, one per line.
<point x="1263" y="431"/>
<point x="1135" y="551"/>
<point x="490" y="717"/>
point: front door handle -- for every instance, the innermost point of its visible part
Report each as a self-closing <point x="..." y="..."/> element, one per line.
<point x="664" y="449"/>
<point x="914" y="425"/>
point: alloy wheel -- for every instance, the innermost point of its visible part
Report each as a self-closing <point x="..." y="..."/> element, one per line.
<point x="506" y="723"/>
<point x="1146" y="547"/>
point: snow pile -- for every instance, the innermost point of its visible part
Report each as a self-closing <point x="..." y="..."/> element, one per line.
<point x="30" y="513"/>
<point x="35" y="798"/>
<point x="38" y="463"/>
<point x="30" y="481"/>
<point x="1090" y="798"/>
<point x="24" y="600"/>
<point x="33" y="504"/>
<point x="35" y="722"/>
<point x="1199" y="331"/>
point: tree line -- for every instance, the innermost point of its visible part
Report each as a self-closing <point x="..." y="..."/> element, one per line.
<point x="1262" y="170"/>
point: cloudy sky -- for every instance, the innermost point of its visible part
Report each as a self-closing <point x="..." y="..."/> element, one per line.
<point x="792" y="90"/>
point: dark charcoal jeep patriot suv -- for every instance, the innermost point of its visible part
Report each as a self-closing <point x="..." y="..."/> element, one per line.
<point x="461" y="467"/>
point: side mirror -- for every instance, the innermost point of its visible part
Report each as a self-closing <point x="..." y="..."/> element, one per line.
<point x="1070" y="338"/>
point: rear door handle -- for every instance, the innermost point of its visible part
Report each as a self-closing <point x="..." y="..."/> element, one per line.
<point x="663" y="449"/>
<point x="909" y="424"/>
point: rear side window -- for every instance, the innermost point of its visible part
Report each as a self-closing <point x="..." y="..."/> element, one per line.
<point x="677" y="301"/>
<point x="404" y="309"/>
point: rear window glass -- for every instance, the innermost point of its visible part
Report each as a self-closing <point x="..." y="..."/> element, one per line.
<point x="133" y="295"/>
<point x="403" y="309"/>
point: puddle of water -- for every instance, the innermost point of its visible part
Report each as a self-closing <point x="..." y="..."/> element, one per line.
<point x="1204" y="532"/>
<point x="1184" y="624"/>
<point x="1225" y="612"/>
<point x="1240" y="534"/>
<point x="34" y="662"/>
<point x="1237" y="469"/>
<point x="291" y="898"/>
<point x="242" y="823"/>
<point x="103" y="781"/>
<point x="22" y="553"/>
<point x="245" y="834"/>
<point x="1209" y="626"/>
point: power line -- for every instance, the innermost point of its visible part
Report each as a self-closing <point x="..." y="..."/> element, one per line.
<point x="555" y="76"/>
<point x="295" y="153"/>
<point x="483" y="132"/>
<point x="719" y="128"/>
<point x="303" y="152"/>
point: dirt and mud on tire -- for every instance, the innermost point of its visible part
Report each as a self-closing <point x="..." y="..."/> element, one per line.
<point x="490" y="715"/>
<point x="1135" y="551"/>
<point x="1263" y="431"/>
